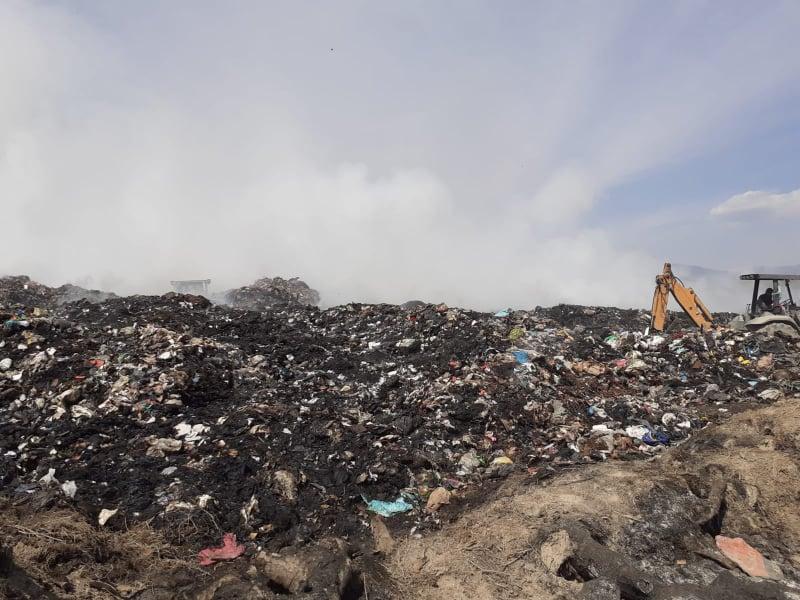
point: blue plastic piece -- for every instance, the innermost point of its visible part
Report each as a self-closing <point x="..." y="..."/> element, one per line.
<point x="654" y="438"/>
<point x="503" y="313"/>
<point x="389" y="509"/>
<point x="521" y="356"/>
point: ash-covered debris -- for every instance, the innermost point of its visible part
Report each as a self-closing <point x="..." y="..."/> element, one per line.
<point x="283" y="426"/>
<point x="270" y="291"/>
<point x="73" y="293"/>
<point x="20" y="291"/>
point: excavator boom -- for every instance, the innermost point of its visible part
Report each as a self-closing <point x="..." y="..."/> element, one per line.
<point x="666" y="284"/>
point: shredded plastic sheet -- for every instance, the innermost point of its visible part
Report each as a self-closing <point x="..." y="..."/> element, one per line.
<point x="388" y="509"/>
<point x="228" y="551"/>
<point x="521" y="356"/>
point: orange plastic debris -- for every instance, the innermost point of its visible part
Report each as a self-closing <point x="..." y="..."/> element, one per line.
<point x="744" y="555"/>
<point x="228" y="551"/>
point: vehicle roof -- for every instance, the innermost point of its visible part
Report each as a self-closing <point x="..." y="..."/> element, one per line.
<point x="754" y="276"/>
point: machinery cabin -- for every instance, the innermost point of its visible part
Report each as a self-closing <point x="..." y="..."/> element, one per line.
<point x="787" y="305"/>
<point x="198" y="287"/>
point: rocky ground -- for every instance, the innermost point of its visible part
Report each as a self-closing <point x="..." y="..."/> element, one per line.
<point x="507" y="452"/>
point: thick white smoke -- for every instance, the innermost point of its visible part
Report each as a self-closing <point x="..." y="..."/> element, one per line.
<point x="188" y="142"/>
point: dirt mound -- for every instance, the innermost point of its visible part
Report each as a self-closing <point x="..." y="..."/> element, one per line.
<point x="643" y="531"/>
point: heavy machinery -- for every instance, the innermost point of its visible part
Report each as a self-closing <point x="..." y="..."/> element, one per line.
<point x="198" y="287"/>
<point x="667" y="283"/>
<point x="783" y="315"/>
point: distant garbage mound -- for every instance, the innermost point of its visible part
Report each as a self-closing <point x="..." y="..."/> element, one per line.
<point x="74" y="293"/>
<point x="19" y="291"/>
<point x="271" y="291"/>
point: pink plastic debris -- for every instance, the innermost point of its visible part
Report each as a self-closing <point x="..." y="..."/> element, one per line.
<point x="228" y="551"/>
<point x="744" y="555"/>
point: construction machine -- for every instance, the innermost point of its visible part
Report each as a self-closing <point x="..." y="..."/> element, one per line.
<point x="782" y="315"/>
<point x="667" y="283"/>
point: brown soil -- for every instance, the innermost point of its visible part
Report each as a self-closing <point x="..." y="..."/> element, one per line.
<point x="660" y="514"/>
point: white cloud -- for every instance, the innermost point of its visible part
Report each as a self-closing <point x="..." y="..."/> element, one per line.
<point x="768" y="203"/>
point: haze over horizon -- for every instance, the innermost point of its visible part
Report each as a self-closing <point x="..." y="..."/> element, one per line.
<point x="484" y="155"/>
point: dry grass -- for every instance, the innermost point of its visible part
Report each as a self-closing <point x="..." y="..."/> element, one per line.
<point x="71" y="558"/>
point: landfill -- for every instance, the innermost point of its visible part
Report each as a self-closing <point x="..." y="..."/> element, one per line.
<point x="281" y="424"/>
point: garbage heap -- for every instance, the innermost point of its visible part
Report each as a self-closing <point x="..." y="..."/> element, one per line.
<point x="288" y="424"/>
<point x="20" y="291"/>
<point x="268" y="291"/>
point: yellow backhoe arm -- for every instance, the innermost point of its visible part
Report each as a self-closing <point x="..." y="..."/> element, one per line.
<point x="667" y="284"/>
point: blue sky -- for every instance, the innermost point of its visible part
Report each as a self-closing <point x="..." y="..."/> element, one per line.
<point x="473" y="152"/>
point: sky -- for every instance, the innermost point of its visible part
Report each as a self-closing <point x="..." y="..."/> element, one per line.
<point x="479" y="153"/>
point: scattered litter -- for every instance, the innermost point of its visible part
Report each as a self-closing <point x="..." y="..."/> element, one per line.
<point x="302" y="409"/>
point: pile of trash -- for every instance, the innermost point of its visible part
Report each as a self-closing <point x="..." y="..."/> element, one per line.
<point x="270" y="291"/>
<point x="20" y="291"/>
<point x="285" y="425"/>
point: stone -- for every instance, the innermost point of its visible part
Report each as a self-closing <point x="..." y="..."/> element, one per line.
<point x="438" y="498"/>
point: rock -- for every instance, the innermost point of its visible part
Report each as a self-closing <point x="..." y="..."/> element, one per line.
<point x="409" y="344"/>
<point x="404" y="425"/>
<point x="771" y="394"/>
<point x="555" y="550"/>
<point x="438" y="498"/>
<point x="257" y="360"/>
<point x="286" y="485"/>
<point x="600" y="589"/>
<point x="384" y="542"/>
<point x="469" y="462"/>
<point x="779" y="329"/>
<point x="5" y="364"/>
<point x="324" y="566"/>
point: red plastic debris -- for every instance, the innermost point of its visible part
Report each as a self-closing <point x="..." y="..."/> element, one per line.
<point x="228" y="551"/>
